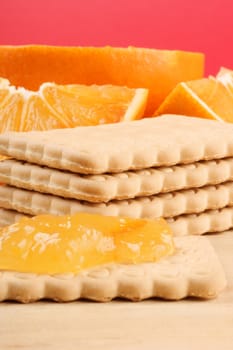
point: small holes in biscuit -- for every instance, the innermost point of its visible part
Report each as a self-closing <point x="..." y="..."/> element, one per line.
<point x="199" y="271"/>
<point x="146" y="172"/>
<point x="65" y="276"/>
<point x="124" y="175"/>
<point x="192" y="166"/>
<point x="25" y="276"/>
<point x="99" y="178"/>
<point x="168" y="170"/>
<point x="99" y="273"/>
<point x="132" y="271"/>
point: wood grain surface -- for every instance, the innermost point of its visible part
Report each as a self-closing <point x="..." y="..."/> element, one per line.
<point x="154" y="324"/>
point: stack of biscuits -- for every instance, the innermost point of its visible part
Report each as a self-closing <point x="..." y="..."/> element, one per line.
<point x="175" y="167"/>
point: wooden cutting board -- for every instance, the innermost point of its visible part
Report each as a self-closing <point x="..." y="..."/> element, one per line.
<point x="187" y="324"/>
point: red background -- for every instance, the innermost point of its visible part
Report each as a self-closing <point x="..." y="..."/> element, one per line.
<point x="193" y="25"/>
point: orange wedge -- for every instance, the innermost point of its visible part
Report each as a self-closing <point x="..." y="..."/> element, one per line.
<point x="204" y="98"/>
<point x="62" y="106"/>
<point x="49" y="244"/>
<point x="157" y="70"/>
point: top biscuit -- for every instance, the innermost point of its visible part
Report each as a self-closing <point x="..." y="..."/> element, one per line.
<point x="112" y="148"/>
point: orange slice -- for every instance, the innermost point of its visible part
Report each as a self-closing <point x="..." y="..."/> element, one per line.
<point x="61" y="106"/>
<point x="204" y="98"/>
<point x="51" y="245"/>
<point x="157" y="70"/>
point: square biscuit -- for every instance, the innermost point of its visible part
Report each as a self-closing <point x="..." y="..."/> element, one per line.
<point x="209" y="221"/>
<point x="151" y="142"/>
<point x="106" y="187"/>
<point x="172" y="206"/>
<point x="162" y="205"/>
<point x="193" y="270"/>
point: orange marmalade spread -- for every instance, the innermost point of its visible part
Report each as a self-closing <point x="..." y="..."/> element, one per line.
<point x="49" y="244"/>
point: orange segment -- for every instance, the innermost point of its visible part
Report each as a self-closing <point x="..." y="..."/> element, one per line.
<point x="205" y="98"/>
<point x="92" y="105"/>
<point x="4" y="93"/>
<point x="69" y="244"/>
<point x="38" y="116"/>
<point x="11" y="111"/>
<point x="157" y="70"/>
<point x="61" y="106"/>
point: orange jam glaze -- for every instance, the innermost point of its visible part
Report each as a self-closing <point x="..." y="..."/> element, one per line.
<point x="48" y="244"/>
